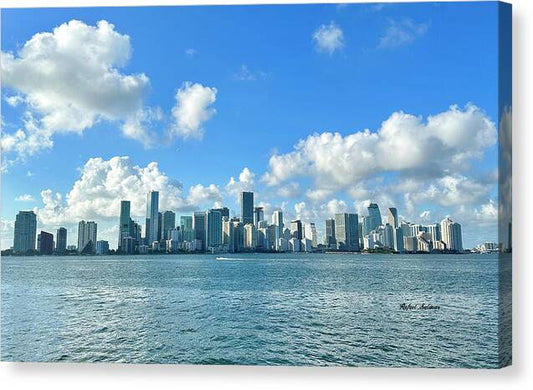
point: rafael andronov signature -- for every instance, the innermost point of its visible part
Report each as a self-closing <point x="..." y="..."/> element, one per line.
<point x="416" y="306"/>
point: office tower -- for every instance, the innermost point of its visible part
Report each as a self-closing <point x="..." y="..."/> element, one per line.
<point x="247" y="207"/>
<point x="250" y="236"/>
<point x="45" y="243"/>
<point x="330" y="242"/>
<point x="61" y="240"/>
<point x="213" y="229"/>
<point x="452" y="235"/>
<point x="393" y="217"/>
<point x="434" y="232"/>
<point x="198" y="225"/>
<point x="398" y="240"/>
<point x="227" y="233"/>
<point x="410" y="244"/>
<point x="102" y="247"/>
<point x="152" y="217"/>
<point x="224" y="211"/>
<point x="125" y="222"/>
<point x="238" y="235"/>
<point x="159" y="227"/>
<point x="309" y="233"/>
<point x="374" y="217"/>
<point x="297" y="229"/>
<point x="259" y="215"/>
<point x="169" y="223"/>
<point x="25" y="231"/>
<point x="388" y="236"/>
<point x="347" y="231"/>
<point x="87" y="232"/>
<point x="186" y="226"/>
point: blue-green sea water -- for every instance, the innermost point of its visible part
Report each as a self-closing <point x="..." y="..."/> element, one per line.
<point x="256" y="309"/>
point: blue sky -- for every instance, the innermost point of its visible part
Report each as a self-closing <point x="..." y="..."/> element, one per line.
<point x="265" y="79"/>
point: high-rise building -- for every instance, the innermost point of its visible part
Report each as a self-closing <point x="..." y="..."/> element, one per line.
<point x="186" y="227"/>
<point x="87" y="232"/>
<point x="224" y="211"/>
<point x="277" y="221"/>
<point x="393" y="217"/>
<point x="45" y="243"/>
<point x="297" y="229"/>
<point x="125" y="222"/>
<point x="388" y="236"/>
<point x="310" y="234"/>
<point x="398" y="240"/>
<point x="152" y="217"/>
<point x="247" y="207"/>
<point x="102" y="247"/>
<point x="434" y="232"/>
<point x="330" y="242"/>
<point x="250" y="236"/>
<point x="259" y="215"/>
<point x="25" y="232"/>
<point x="347" y="231"/>
<point x="452" y="235"/>
<point x="374" y="216"/>
<point x="237" y="243"/>
<point x="213" y="229"/>
<point x="198" y="224"/>
<point x="61" y="240"/>
<point x="159" y="227"/>
<point x="169" y="223"/>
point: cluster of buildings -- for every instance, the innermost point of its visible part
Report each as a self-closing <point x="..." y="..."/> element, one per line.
<point x="214" y="231"/>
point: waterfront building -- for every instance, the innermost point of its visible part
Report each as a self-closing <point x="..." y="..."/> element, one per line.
<point x="393" y="217"/>
<point x="310" y="233"/>
<point x="283" y="245"/>
<point x="277" y="221"/>
<point x="388" y="236"/>
<point x="25" y="232"/>
<point x="45" y="243"/>
<point x="125" y="223"/>
<point x="424" y="244"/>
<point x="87" y="232"/>
<point x="250" y="236"/>
<point x="294" y="245"/>
<point x="213" y="230"/>
<point x="434" y="232"/>
<point x="224" y="211"/>
<point x="128" y="245"/>
<point x="259" y="215"/>
<point x="169" y="223"/>
<point x="297" y="229"/>
<point x="452" y="235"/>
<point x="186" y="226"/>
<point x="247" y="207"/>
<point x="306" y="245"/>
<point x="237" y="235"/>
<point x="198" y="225"/>
<point x="102" y="247"/>
<point x="347" y="231"/>
<point x="374" y="217"/>
<point x="398" y="240"/>
<point x="329" y="241"/>
<point x="410" y="244"/>
<point x="152" y="217"/>
<point x="61" y="240"/>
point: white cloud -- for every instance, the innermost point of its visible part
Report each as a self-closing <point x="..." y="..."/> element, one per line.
<point x="486" y="214"/>
<point x="14" y="100"/>
<point x="192" y="109"/>
<point x="246" y="74"/>
<point x="245" y="182"/>
<point x="103" y="184"/>
<point x="25" y="198"/>
<point x="289" y="190"/>
<point x="401" y="33"/>
<point x="190" y="52"/>
<point x="328" y="38"/>
<point x="69" y="79"/>
<point x="204" y="195"/>
<point x="404" y="144"/>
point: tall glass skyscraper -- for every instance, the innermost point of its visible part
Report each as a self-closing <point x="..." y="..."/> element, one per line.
<point x="152" y="217"/>
<point x="61" y="240"/>
<point x="247" y="207"/>
<point x="213" y="229"/>
<point x="87" y="233"/>
<point x="393" y="217"/>
<point x="125" y="222"/>
<point x="374" y="217"/>
<point x="25" y="231"/>
<point x="347" y="231"/>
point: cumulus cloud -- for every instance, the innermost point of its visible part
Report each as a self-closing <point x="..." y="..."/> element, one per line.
<point x="403" y="32"/>
<point x="245" y="182"/>
<point x="101" y="187"/>
<point x="192" y="109"/>
<point x="69" y="79"/>
<point x="204" y="195"/>
<point x="403" y="144"/>
<point x="328" y="38"/>
<point x="25" y="198"/>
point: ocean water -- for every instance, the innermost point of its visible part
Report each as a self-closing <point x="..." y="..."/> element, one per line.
<point x="257" y="309"/>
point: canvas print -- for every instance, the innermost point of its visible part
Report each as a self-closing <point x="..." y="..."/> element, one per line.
<point x="318" y="185"/>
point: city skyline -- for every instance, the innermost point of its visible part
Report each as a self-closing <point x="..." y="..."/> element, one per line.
<point x="249" y="123"/>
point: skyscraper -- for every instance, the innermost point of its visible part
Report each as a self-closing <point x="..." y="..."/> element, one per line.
<point x="330" y="241"/>
<point x="374" y="217"/>
<point x="187" y="231"/>
<point x="393" y="217"/>
<point x="224" y="211"/>
<point x="25" y="231"/>
<point x="452" y="235"/>
<point x="277" y="221"/>
<point x="259" y="215"/>
<point x="247" y="207"/>
<point x="347" y="231"/>
<point x="45" y="243"/>
<point x="213" y="229"/>
<point x="61" y="240"/>
<point x="198" y="224"/>
<point x="125" y="222"/>
<point x="87" y="232"/>
<point x="152" y="217"/>
<point x="169" y="223"/>
<point x="296" y="229"/>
